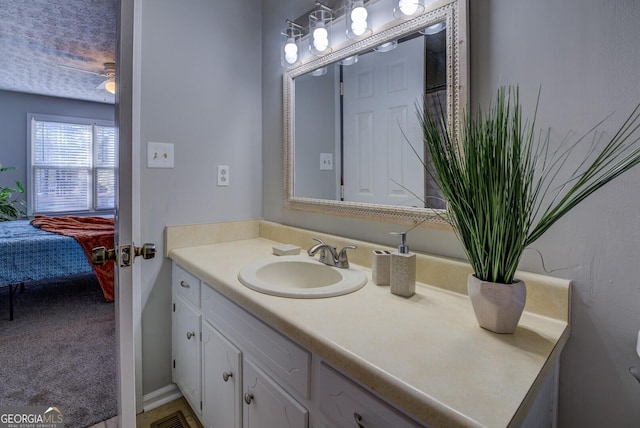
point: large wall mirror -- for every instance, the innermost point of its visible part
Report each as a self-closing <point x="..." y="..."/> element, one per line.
<point x="350" y="118"/>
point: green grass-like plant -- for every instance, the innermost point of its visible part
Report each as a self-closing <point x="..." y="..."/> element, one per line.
<point x="10" y="207"/>
<point x="501" y="181"/>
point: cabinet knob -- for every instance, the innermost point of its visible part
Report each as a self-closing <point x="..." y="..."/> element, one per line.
<point x="248" y="398"/>
<point x="226" y="376"/>
<point x="184" y="284"/>
<point x="358" y="420"/>
<point x="190" y="334"/>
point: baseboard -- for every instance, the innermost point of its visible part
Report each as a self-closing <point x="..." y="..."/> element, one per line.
<point x="160" y="397"/>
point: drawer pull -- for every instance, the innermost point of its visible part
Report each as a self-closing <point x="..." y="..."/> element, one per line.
<point x="248" y="398"/>
<point x="184" y="284"/>
<point x="190" y="334"/>
<point x="358" y="420"/>
<point x="226" y="376"/>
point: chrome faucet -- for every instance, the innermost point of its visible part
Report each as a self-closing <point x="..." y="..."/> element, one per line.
<point x="328" y="254"/>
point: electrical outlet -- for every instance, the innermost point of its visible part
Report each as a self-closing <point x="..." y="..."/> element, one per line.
<point x="159" y="155"/>
<point x="223" y="175"/>
<point x="326" y="161"/>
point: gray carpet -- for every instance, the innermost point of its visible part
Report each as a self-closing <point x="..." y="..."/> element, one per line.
<point x="60" y="350"/>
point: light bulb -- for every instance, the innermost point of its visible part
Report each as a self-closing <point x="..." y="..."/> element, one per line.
<point x="110" y="87"/>
<point x="358" y="28"/>
<point x="358" y="19"/>
<point x="408" y="7"/>
<point x="290" y="51"/>
<point x="320" y="33"/>
<point x="359" y="14"/>
<point x="320" y="39"/>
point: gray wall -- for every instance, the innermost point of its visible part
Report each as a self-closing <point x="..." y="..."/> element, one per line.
<point x="584" y="56"/>
<point x="14" y="107"/>
<point x="317" y="123"/>
<point x="201" y="89"/>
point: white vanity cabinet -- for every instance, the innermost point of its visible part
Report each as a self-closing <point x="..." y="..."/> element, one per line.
<point x="186" y="345"/>
<point x="344" y="404"/>
<point x="221" y="380"/>
<point x="245" y="374"/>
<point x="267" y="405"/>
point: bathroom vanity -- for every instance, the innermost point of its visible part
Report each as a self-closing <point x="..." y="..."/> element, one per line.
<point x="363" y="359"/>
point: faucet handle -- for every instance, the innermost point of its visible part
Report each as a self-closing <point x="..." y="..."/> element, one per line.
<point x="324" y="249"/>
<point x="343" y="261"/>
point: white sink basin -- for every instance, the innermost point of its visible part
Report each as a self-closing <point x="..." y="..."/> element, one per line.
<point x="300" y="276"/>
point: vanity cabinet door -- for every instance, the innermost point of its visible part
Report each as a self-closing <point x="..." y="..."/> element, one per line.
<point x="222" y="380"/>
<point x="344" y="404"/>
<point x="267" y="405"/>
<point x="186" y="351"/>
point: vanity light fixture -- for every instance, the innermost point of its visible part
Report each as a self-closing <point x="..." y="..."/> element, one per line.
<point x="356" y="19"/>
<point x="319" y="72"/>
<point x="407" y="8"/>
<point x="386" y="47"/>
<point x="350" y="60"/>
<point x="320" y="30"/>
<point x="434" y="29"/>
<point x="290" y="49"/>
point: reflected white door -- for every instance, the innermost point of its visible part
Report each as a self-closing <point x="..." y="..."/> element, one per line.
<point x="379" y="107"/>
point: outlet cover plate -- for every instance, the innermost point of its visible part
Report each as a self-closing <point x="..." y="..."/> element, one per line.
<point x="326" y="161"/>
<point x="223" y="175"/>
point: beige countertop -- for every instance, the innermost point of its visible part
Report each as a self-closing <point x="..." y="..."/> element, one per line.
<point x="425" y="354"/>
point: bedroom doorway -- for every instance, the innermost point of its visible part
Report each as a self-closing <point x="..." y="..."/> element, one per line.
<point x="127" y="306"/>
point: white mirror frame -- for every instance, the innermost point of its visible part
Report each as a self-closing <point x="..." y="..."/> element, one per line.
<point x="454" y="13"/>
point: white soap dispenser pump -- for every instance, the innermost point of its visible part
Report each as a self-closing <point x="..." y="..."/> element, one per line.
<point x="403" y="269"/>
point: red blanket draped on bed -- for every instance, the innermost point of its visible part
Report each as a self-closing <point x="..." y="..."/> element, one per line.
<point x="90" y="232"/>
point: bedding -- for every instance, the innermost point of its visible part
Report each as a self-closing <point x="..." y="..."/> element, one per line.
<point x="29" y="253"/>
<point x="89" y="232"/>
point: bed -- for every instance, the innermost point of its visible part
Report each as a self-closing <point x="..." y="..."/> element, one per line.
<point x="29" y="253"/>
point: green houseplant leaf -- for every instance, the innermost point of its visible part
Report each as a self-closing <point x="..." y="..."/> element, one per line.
<point x="501" y="182"/>
<point x="11" y="207"/>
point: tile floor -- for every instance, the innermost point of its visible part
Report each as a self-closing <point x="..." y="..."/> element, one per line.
<point x="144" y="420"/>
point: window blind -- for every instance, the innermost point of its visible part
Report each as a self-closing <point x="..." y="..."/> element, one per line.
<point x="72" y="166"/>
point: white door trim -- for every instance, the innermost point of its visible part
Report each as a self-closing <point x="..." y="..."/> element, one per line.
<point x="128" y="300"/>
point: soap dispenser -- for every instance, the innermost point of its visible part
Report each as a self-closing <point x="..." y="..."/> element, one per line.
<point x="403" y="269"/>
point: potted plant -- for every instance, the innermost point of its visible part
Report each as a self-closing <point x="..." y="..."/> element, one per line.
<point x="10" y="207"/>
<point x="501" y="186"/>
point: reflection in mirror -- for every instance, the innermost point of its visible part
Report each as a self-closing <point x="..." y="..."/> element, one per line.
<point x="349" y="117"/>
<point x="366" y="125"/>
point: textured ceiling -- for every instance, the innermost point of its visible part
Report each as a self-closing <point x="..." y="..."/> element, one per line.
<point x="40" y="39"/>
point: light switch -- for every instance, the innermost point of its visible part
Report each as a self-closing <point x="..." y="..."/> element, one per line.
<point x="159" y="155"/>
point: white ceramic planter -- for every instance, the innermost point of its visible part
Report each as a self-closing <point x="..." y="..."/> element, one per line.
<point x="498" y="307"/>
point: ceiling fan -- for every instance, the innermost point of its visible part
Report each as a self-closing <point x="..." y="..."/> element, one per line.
<point x="109" y="84"/>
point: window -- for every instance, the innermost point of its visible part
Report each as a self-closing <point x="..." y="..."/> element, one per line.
<point x="73" y="165"/>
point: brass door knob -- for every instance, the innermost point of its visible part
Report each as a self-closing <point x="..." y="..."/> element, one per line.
<point x="100" y="255"/>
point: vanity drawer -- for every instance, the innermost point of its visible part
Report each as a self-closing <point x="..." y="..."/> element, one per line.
<point x="343" y="403"/>
<point x="285" y="361"/>
<point x="186" y="285"/>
